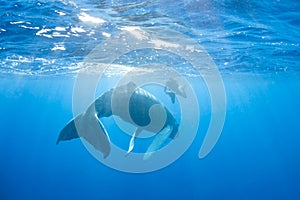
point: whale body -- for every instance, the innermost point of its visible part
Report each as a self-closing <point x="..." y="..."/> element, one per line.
<point x="110" y="103"/>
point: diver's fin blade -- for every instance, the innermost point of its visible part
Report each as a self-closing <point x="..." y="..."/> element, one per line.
<point x="131" y="143"/>
<point x="69" y="132"/>
<point x="158" y="142"/>
<point x="172" y="97"/>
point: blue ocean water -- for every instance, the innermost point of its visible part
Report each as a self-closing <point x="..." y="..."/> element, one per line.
<point x="255" y="46"/>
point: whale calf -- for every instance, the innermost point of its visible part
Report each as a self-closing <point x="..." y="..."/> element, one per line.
<point x="110" y="103"/>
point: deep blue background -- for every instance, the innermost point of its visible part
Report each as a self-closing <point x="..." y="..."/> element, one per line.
<point x="256" y="157"/>
<point x="254" y="43"/>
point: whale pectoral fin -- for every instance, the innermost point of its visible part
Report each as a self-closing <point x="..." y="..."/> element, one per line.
<point x="131" y="143"/>
<point x="159" y="140"/>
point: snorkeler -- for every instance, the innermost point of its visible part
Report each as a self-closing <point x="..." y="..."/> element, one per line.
<point x="172" y="88"/>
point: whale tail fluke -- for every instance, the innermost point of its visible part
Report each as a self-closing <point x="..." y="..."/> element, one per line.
<point x="69" y="132"/>
<point x="89" y="127"/>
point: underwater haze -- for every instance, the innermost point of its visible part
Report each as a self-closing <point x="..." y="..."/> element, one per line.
<point x="251" y="47"/>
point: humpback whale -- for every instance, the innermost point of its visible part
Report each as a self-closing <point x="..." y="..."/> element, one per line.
<point x="88" y="125"/>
